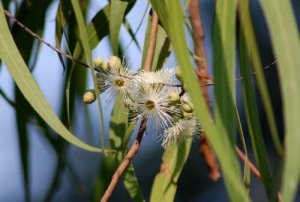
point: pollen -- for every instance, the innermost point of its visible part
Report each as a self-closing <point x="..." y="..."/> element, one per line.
<point x="149" y="104"/>
<point x="119" y="82"/>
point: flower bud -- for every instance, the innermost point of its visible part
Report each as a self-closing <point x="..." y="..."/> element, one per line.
<point x="114" y="62"/>
<point x="100" y="63"/>
<point x="187" y="107"/>
<point x="174" y="97"/>
<point x="187" y="115"/>
<point x="89" y="96"/>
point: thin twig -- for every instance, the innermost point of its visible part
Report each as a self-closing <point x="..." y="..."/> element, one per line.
<point x="125" y="163"/>
<point x="252" y="167"/>
<point x="198" y="36"/>
<point x="70" y="57"/>
<point x="137" y="143"/>
<point x="152" y="42"/>
<point x="43" y="41"/>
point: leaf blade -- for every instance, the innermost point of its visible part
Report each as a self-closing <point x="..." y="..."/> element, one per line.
<point x="285" y="38"/>
<point x="24" y="80"/>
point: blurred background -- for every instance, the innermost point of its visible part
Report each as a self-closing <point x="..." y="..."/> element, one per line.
<point x="72" y="176"/>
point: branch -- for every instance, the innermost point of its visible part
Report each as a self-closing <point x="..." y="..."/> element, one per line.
<point x="125" y="163"/>
<point x="8" y="14"/>
<point x="252" y="167"/>
<point x="202" y="73"/>
<point x="152" y="42"/>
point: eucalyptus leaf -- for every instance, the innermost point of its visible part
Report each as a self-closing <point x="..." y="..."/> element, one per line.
<point x="28" y="86"/>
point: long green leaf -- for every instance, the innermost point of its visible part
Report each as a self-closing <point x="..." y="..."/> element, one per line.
<point x="88" y="55"/>
<point x="286" y="44"/>
<point x="165" y="183"/>
<point x="252" y="47"/>
<point x="218" y="138"/>
<point x="117" y="12"/>
<point x="119" y="134"/>
<point x="224" y="65"/>
<point x="28" y="86"/>
<point x="252" y="115"/>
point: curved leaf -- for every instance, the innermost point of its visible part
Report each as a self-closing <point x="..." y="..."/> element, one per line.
<point x="117" y="12"/>
<point x="218" y="138"/>
<point x="224" y="66"/>
<point x="285" y="39"/>
<point x="165" y="183"/>
<point x="28" y="86"/>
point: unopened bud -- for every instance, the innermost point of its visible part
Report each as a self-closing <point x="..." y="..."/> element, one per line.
<point x="89" y="96"/>
<point x="114" y="62"/>
<point x="187" y="115"/>
<point x="100" y="63"/>
<point x="188" y="107"/>
<point x="173" y="97"/>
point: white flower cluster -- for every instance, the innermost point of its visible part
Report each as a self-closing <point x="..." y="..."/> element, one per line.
<point x="155" y="96"/>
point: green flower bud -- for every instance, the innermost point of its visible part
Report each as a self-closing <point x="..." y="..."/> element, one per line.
<point x="187" y="115"/>
<point x="174" y="97"/>
<point x="100" y="63"/>
<point x="89" y="96"/>
<point x="114" y="62"/>
<point x="187" y="107"/>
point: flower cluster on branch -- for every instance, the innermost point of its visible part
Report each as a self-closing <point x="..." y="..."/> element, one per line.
<point x="157" y="97"/>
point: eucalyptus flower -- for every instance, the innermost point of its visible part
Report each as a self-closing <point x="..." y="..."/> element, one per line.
<point x="164" y="76"/>
<point x="153" y="103"/>
<point x="183" y="129"/>
<point x="115" y="80"/>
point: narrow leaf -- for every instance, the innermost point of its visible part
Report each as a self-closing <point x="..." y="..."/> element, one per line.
<point x="165" y="183"/>
<point x="218" y="138"/>
<point x="28" y="86"/>
<point x="252" y="48"/>
<point x="252" y="116"/>
<point x="117" y="12"/>
<point x="224" y="65"/>
<point x="285" y="39"/>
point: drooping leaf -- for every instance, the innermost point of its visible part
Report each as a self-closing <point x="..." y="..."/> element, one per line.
<point x="224" y="66"/>
<point x="117" y="12"/>
<point x="24" y="80"/>
<point x="165" y="182"/>
<point x="252" y="115"/>
<point x="286" y="44"/>
<point x="218" y="138"/>
<point x="131" y="33"/>
<point x="88" y="55"/>
<point x="252" y="47"/>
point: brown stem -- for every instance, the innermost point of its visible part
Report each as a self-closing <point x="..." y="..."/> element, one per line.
<point x="137" y="143"/>
<point x="198" y="36"/>
<point x="252" y="167"/>
<point x="152" y="42"/>
<point x="125" y="163"/>
<point x="43" y="41"/>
